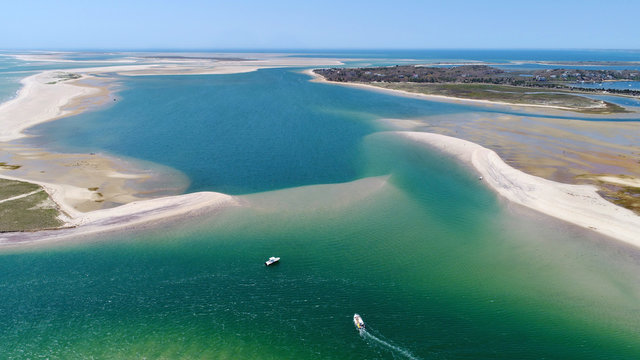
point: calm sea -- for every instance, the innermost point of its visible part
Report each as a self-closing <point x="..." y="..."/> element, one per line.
<point x="435" y="263"/>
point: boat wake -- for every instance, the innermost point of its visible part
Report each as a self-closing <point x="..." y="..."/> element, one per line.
<point x="377" y="340"/>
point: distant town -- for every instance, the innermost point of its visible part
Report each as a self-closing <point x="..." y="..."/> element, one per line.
<point x="483" y="74"/>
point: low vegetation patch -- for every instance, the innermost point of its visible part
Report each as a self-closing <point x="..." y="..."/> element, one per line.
<point x="509" y="94"/>
<point x="62" y="76"/>
<point x="11" y="188"/>
<point x="26" y="207"/>
<point x="5" y="166"/>
<point x="628" y="197"/>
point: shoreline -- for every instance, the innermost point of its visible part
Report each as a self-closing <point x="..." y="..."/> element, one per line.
<point x="36" y="101"/>
<point x="442" y="98"/>
<point x="47" y="96"/>
<point x="54" y="94"/>
<point x="131" y="216"/>
<point x="40" y="101"/>
<point x="576" y="204"/>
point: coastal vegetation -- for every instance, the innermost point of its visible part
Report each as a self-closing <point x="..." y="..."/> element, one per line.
<point x="475" y="74"/>
<point x="64" y="76"/>
<point x="26" y="207"/>
<point x="510" y="94"/>
<point x="5" y="166"/>
<point x="628" y="197"/>
<point x="481" y="82"/>
<point x="625" y="193"/>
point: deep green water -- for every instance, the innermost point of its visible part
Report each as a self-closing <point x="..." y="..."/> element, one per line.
<point x="438" y="267"/>
<point x="431" y="261"/>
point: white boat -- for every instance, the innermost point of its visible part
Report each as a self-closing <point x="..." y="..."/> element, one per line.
<point x="357" y="321"/>
<point x="272" y="260"/>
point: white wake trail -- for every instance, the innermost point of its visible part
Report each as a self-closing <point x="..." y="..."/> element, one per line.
<point x="387" y="345"/>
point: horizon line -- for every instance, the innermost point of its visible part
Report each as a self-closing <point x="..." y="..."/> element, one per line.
<point x="284" y="49"/>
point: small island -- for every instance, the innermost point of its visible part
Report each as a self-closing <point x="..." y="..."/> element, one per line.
<point x="549" y="88"/>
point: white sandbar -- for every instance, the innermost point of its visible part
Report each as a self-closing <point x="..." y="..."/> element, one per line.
<point x="577" y="204"/>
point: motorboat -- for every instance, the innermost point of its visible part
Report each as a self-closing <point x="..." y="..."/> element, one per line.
<point x="272" y="260"/>
<point x="357" y="321"/>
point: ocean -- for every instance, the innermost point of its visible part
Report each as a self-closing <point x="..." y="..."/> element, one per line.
<point x="437" y="265"/>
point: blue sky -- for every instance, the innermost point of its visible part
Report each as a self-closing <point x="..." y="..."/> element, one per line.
<point x="195" y="24"/>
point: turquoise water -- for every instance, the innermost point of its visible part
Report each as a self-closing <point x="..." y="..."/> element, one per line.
<point x="9" y="81"/>
<point x="431" y="261"/>
<point x="438" y="267"/>
<point x="242" y="133"/>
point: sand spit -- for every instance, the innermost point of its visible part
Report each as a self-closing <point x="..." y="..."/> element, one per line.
<point x="128" y="216"/>
<point x="48" y="95"/>
<point x="577" y="204"/>
<point x="93" y="181"/>
<point x="42" y="98"/>
<point x="623" y="181"/>
<point x="57" y="57"/>
<point x="142" y="214"/>
<point x="206" y="67"/>
<point x="54" y="94"/>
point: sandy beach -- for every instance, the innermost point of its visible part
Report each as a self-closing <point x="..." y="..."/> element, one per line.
<point x="81" y="184"/>
<point x="49" y="95"/>
<point x="40" y="100"/>
<point x="577" y="204"/>
<point x="126" y="217"/>
<point x="52" y="95"/>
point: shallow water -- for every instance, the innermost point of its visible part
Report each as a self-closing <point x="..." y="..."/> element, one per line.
<point x="431" y="261"/>
<point x="9" y="81"/>
<point x="436" y="264"/>
<point x="240" y="133"/>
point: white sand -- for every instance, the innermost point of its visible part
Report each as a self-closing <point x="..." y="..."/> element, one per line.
<point x="577" y="204"/>
<point x="122" y="217"/>
<point x="631" y="182"/>
<point x="126" y="217"/>
<point x="140" y="212"/>
<point x="44" y="97"/>
<point x="38" y="102"/>
<point x="57" y="58"/>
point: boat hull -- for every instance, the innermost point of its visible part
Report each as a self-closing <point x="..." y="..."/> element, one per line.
<point x="358" y="322"/>
<point x="272" y="261"/>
